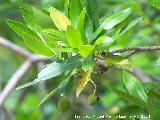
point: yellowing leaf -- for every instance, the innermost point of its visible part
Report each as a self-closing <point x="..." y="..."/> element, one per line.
<point x="118" y="62"/>
<point x="82" y="82"/>
<point x="59" y="19"/>
<point x="84" y="50"/>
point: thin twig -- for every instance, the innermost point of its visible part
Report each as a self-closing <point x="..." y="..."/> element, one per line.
<point x="30" y="59"/>
<point x="15" y="48"/>
<point x="130" y="54"/>
<point x="136" y="49"/>
<point x="14" y="80"/>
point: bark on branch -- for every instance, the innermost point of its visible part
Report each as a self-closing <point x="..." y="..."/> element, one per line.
<point x="17" y="76"/>
<point x="134" y="50"/>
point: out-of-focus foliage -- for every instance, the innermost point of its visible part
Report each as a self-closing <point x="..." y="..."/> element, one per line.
<point x="111" y="90"/>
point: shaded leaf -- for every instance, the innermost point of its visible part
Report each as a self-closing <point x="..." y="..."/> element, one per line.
<point x="112" y="21"/>
<point x="92" y="8"/>
<point x="66" y="7"/>
<point x="87" y="62"/>
<point x="59" y="90"/>
<point x="134" y="86"/>
<point x="75" y="10"/>
<point x="127" y="96"/>
<point x="81" y="23"/>
<point x="131" y="25"/>
<point x="115" y="19"/>
<point x="88" y="29"/>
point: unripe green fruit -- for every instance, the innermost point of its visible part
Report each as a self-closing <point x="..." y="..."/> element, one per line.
<point x="64" y="105"/>
<point x="92" y="99"/>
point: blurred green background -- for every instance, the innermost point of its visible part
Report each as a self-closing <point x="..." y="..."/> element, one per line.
<point x="21" y="105"/>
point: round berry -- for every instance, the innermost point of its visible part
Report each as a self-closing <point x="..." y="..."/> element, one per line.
<point x="64" y="105"/>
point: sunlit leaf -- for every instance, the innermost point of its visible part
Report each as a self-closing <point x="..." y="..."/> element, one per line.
<point x="73" y="37"/>
<point x="55" y="33"/>
<point x="59" y="19"/>
<point x="155" y="3"/>
<point x="19" y="28"/>
<point x="29" y="18"/>
<point x="85" y="50"/>
<point x="104" y="42"/>
<point x="37" y="45"/>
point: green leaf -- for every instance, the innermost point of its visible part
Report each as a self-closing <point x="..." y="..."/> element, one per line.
<point x="29" y="18"/>
<point x="71" y="63"/>
<point x="112" y="21"/>
<point x="55" y="33"/>
<point x="81" y="23"/>
<point x="54" y="69"/>
<point x="85" y="50"/>
<point x="19" y="28"/>
<point x="92" y="8"/>
<point x="40" y="17"/>
<point x="87" y="62"/>
<point x="66" y="6"/>
<point x="59" y="90"/>
<point x="53" y="92"/>
<point x="131" y="25"/>
<point x="127" y="96"/>
<point x="156" y="115"/>
<point x="59" y="19"/>
<point x="73" y="37"/>
<point x="88" y="29"/>
<point x="106" y="15"/>
<point x="115" y="19"/>
<point x="75" y="10"/>
<point x="37" y="45"/>
<point x="104" y="42"/>
<point x="134" y="86"/>
<point x="155" y="3"/>
<point x="28" y="84"/>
